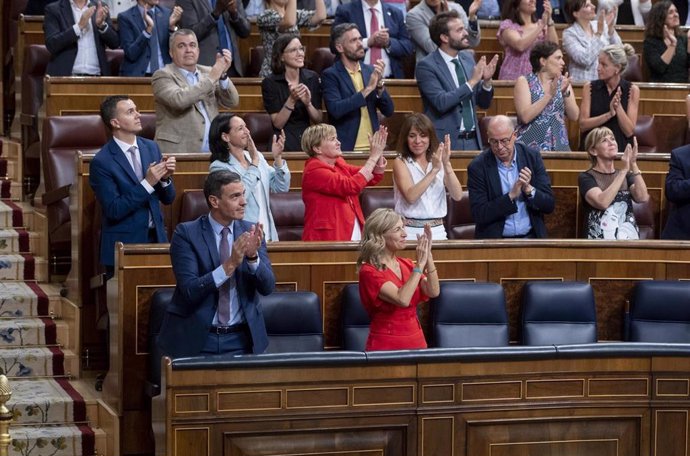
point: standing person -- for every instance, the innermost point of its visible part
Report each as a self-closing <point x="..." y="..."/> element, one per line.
<point x="384" y="35"/>
<point x="665" y="47"/>
<point x="282" y="16"/>
<point x="509" y="188"/>
<point x="353" y="90"/>
<point x="76" y="34"/>
<point x="221" y="267"/>
<point x="611" y="101"/>
<point x="391" y="287"/>
<point x="678" y="192"/>
<point x="130" y="178"/>
<point x="422" y="173"/>
<point x="519" y="31"/>
<point x="186" y="95"/>
<point x="233" y="149"/>
<point x="607" y="192"/>
<point x="544" y="99"/>
<point x="449" y="80"/>
<point x="586" y="37"/>
<point x="218" y="27"/>
<point x="144" y="36"/>
<point x="291" y="94"/>
<point x="331" y="187"/>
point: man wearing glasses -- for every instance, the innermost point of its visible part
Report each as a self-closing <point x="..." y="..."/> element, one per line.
<point x="509" y="188"/>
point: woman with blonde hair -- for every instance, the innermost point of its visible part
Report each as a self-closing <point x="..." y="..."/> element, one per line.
<point x="391" y="287"/>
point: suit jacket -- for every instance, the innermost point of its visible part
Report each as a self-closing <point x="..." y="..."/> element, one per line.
<point x="135" y="44"/>
<point x="682" y="7"/>
<point x="196" y="15"/>
<point x="125" y="203"/>
<point x="194" y="256"/>
<point x="441" y="98"/>
<point x="490" y="206"/>
<point x="179" y="122"/>
<point x="400" y="44"/>
<point x="418" y="19"/>
<point x="61" y="41"/>
<point x="678" y="193"/>
<point x="343" y="102"/>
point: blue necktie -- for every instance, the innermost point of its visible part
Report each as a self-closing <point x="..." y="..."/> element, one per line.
<point x="223" y="36"/>
<point x="153" y="42"/>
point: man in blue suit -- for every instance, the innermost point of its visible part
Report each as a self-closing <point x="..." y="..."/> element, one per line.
<point x="354" y="90"/>
<point x="144" y="33"/>
<point x="449" y="82"/>
<point x="383" y="30"/>
<point x="678" y="193"/>
<point x="130" y="179"/>
<point x="221" y="267"/>
<point x="508" y="186"/>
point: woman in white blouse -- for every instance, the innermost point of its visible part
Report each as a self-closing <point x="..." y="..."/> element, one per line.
<point x="586" y="37"/>
<point x="421" y="174"/>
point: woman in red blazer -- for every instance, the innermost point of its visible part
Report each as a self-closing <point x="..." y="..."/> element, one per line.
<point x="331" y="187"/>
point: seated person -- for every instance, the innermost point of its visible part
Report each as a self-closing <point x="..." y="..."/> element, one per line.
<point x="678" y="192"/>
<point x="391" y="287"/>
<point x="665" y="47"/>
<point x="608" y="192"/>
<point x="331" y="187"/>
<point x="421" y="174"/>
<point x="233" y="149"/>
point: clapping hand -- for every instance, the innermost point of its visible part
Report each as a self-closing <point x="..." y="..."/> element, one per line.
<point x="490" y="69"/>
<point x="278" y="145"/>
<point x="669" y="37"/>
<point x="377" y="143"/>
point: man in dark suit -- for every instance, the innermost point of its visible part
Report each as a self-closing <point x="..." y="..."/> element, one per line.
<point x="144" y="33"/>
<point x="221" y="267"/>
<point x="77" y="28"/>
<point x="354" y="90"/>
<point x="449" y="82"/>
<point x="382" y="27"/>
<point x="509" y="188"/>
<point x="678" y="193"/>
<point x="130" y="179"/>
<point x="216" y="28"/>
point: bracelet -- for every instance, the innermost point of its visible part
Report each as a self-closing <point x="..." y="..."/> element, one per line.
<point x="639" y="173"/>
<point x="566" y="94"/>
<point x="223" y="77"/>
<point x="550" y="24"/>
<point x="416" y="269"/>
<point x="253" y="259"/>
<point x="288" y="108"/>
<point x="432" y="271"/>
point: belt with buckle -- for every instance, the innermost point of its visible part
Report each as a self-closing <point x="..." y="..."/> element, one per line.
<point x="239" y="327"/>
<point x="419" y="223"/>
<point x="529" y="234"/>
<point x="467" y="134"/>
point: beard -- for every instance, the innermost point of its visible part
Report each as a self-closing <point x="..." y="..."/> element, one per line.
<point x="354" y="56"/>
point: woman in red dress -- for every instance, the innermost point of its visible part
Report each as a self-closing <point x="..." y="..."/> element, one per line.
<point x="391" y="287"/>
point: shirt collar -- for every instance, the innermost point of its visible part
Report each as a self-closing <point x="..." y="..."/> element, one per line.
<point x="123" y="145"/>
<point x="186" y="72"/>
<point x="447" y="57"/>
<point x="217" y="227"/>
<point x="377" y="7"/>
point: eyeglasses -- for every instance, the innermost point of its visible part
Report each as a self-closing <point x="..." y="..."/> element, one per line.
<point x="505" y="142"/>
<point x="294" y="50"/>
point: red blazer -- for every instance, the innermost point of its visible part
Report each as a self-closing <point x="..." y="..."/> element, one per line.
<point x="331" y="199"/>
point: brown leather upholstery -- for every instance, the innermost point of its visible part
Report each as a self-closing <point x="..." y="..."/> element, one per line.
<point x="256" y="56"/>
<point x="261" y="129"/>
<point x="148" y="124"/>
<point x="394" y="124"/>
<point x="63" y="136"/>
<point x="459" y="223"/>
<point x="321" y="59"/>
<point x="633" y="72"/>
<point x="115" y="58"/>
<point x="374" y="198"/>
<point x="646" y="136"/>
<point x="288" y="215"/>
<point x="193" y="205"/>
<point x="644" y="216"/>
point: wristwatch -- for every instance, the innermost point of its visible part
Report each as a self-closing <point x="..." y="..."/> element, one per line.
<point x="532" y="192"/>
<point x="380" y="84"/>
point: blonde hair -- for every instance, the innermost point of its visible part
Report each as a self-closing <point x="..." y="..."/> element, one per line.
<point x="619" y="54"/>
<point x="313" y="136"/>
<point x="372" y="245"/>
<point x="593" y="139"/>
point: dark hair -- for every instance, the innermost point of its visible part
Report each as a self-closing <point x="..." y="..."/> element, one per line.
<point x="337" y="33"/>
<point x="573" y="6"/>
<point x="422" y="124"/>
<point x="109" y="109"/>
<point x="277" y="65"/>
<point x="541" y="50"/>
<point x="216" y="180"/>
<point x="511" y="11"/>
<point x="218" y="147"/>
<point x="656" y="20"/>
<point x="439" y="25"/>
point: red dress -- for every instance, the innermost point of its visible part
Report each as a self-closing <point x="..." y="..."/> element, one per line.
<point x="392" y="327"/>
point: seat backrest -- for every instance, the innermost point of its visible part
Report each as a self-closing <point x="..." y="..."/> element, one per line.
<point x="115" y="57"/>
<point x="644" y="217"/>
<point x="159" y="302"/>
<point x="321" y="59"/>
<point x="256" y="56"/>
<point x="459" y="222"/>
<point x="36" y="58"/>
<point x="633" y="72"/>
<point x="469" y="314"/>
<point x="646" y="136"/>
<point x="260" y="126"/>
<point x="355" y="319"/>
<point x="193" y="205"/>
<point x="287" y="209"/>
<point x="558" y="313"/>
<point x="293" y="321"/>
<point x="660" y="312"/>
<point x="148" y="124"/>
<point x="375" y="198"/>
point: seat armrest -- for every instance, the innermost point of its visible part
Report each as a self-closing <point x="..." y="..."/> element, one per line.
<point x="56" y="195"/>
<point x="27" y="119"/>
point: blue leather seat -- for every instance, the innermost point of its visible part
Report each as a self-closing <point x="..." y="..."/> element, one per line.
<point x="293" y="321"/>
<point x="355" y="319"/>
<point x="660" y="312"/>
<point x="469" y="314"/>
<point x="558" y="313"/>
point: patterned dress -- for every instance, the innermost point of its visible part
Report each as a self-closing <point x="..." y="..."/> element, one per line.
<point x="268" y="23"/>
<point x="618" y="220"/>
<point x="548" y="130"/>
<point x="516" y="63"/>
